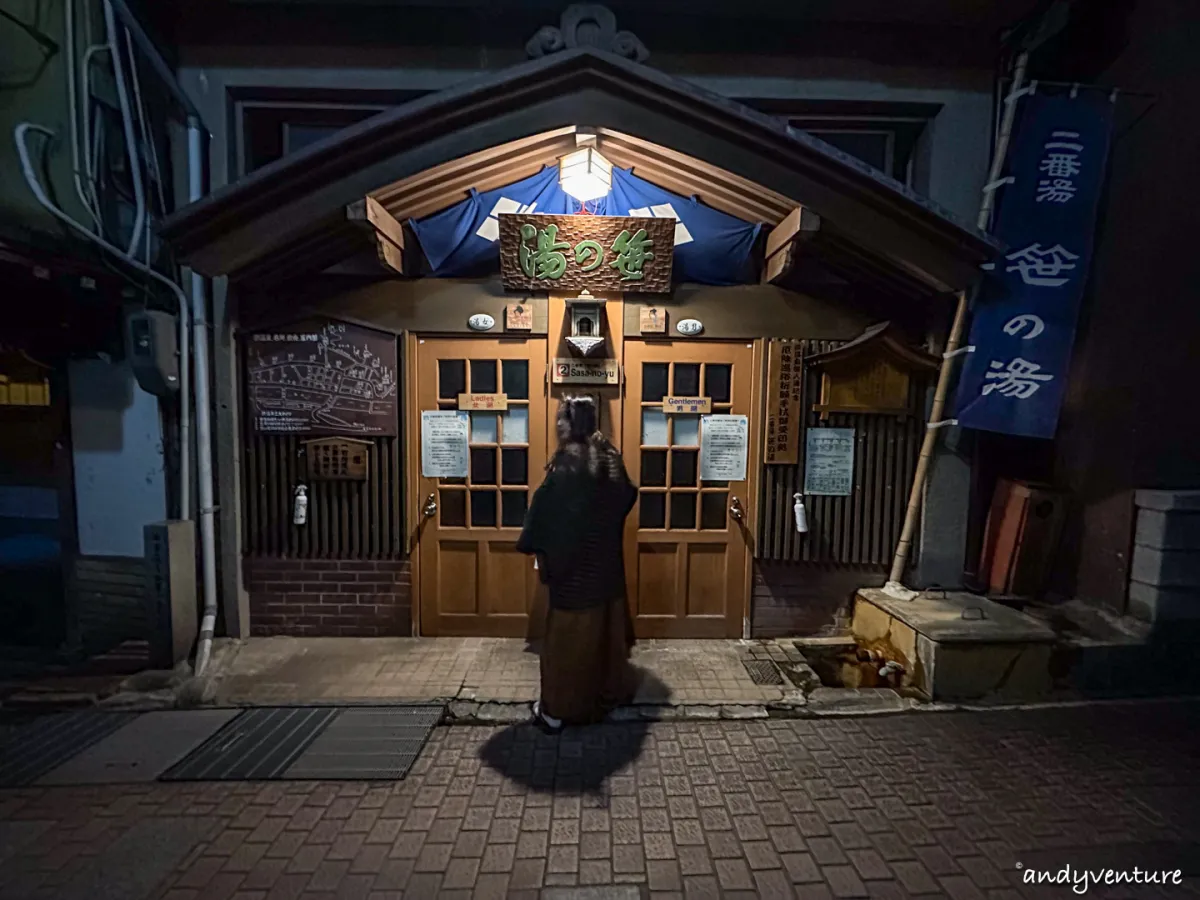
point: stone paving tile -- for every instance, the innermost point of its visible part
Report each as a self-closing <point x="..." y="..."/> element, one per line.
<point x="492" y="812"/>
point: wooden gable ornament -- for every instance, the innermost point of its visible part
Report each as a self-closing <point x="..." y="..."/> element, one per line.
<point x="870" y="374"/>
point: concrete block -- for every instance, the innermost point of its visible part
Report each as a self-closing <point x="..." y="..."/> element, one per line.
<point x="1166" y="568"/>
<point x="1167" y="530"/>
<point x="1168" y="501"/>
<point x="1155" y="604"/>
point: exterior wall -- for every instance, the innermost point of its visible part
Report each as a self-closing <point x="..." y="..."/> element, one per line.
<point x="35" y="89"/>
<point x="305" y="598"/>
<point x="950" y="167"/>
<point x="116" y="434"/>
<point x="1125" y="424"/>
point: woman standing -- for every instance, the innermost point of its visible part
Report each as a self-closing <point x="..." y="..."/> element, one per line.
<point x="574" y="528"/>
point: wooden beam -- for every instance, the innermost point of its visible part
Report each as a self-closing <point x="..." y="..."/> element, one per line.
<point x="388" y="234"/>
<point x="369" y="213"/>
<point x="798" y="225"/>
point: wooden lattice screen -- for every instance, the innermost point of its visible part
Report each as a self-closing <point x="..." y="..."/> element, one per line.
<point x="860" y="529"/>
<point x="346" y="519"/>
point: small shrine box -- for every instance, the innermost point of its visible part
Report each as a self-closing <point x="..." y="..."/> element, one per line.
<point x="337" y="459"/>
<point x="870" y="374"/>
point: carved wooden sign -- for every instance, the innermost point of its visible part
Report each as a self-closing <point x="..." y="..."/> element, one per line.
<point x="337" y="459"/>
<point x="596" y="253"/>
<point x="785" y="371"/>
<point x="482" y="402"/>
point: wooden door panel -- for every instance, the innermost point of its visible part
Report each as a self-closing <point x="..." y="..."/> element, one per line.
<point x="472" y="580"/>
<point x="687" y="555"/>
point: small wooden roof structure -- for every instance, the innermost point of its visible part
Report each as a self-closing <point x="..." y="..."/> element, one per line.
<point x="320" y="207"/>
<point x="883" y="338"/>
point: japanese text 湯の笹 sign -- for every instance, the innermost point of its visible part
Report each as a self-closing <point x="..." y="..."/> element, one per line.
<point x="599" y="253"/>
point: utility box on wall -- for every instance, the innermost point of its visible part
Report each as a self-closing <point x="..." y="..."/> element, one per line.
<point x="171" y="584"/>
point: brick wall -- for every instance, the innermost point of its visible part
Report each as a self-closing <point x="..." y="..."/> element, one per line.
<point x="316" y="598"/>
<point x="806" y="599"/>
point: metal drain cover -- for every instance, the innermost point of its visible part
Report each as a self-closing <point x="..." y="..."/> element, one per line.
<point x="763" y="671"/>
<point x="28" y="751"/>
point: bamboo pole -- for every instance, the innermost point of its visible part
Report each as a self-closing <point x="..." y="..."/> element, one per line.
<point x="904" y="546"/>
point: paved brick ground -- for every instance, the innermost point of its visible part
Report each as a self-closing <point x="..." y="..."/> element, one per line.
<point x="288" y="670"/>
<point x="920" y="805"/>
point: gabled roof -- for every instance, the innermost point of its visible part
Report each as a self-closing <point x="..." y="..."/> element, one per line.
<point x="886" y="337"/>
<point x="286" y="200"/>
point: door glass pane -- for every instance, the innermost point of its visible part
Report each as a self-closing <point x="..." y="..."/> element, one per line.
<point x="653" y="511"/>
<point x="483" y="428"/>
<point x="483" y="376"/>
<point x="717" y="381"/>
<point x="453" y="508"/>
<point x="687" y="380"/>
<point x="452" y="378"/>
<point x="683" y="468"/>
<point x="512" y="508"/>
<point x="515" y="374"/>
<point x="483" y="465"/>
<point x="713" y="509"/>
<point x="515" y="466"/>
<point x="687" y="431"/>
<point x="654" y="468"/>
<point x="516" y="425"/>
<point x="483" y="509"/>
<point x="654" y="428"/>
<point x="654" y="382"/>
<point x="683" y="510"/>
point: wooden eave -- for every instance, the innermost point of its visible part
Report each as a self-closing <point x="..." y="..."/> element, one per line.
<point x="426" y="155"/>
<point x="882" y="336"/>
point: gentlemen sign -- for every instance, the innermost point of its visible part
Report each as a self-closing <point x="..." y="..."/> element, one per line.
<point x="599" y="253"/>
<point x="1024" y="326"/>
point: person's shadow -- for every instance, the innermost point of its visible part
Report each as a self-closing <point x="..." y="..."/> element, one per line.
<point x="580" y="760"/>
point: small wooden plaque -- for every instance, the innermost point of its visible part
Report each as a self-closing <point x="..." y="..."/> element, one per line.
<point x="785" y="378"/>
<point x="653" y="320"/>
<point x="700" y="405"/>
<point x="482" y="402"/>
<point x="337" y="459"/>
<point x="518" y="317"/>
<point x="585" y="371"/>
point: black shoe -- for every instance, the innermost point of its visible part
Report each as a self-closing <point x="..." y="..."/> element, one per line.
<point x="540" y="721"/>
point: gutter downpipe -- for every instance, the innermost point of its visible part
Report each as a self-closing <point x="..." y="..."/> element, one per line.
<point x="204" y="473"/>
<point x="199" y="314"/>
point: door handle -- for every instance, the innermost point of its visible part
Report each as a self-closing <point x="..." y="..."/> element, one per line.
<point x="430" y="508"/>
<point x="735" y="509"/>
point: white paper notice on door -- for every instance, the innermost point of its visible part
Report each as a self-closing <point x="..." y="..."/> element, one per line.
<point x="724" y="446"/>
<point x="829" y="462"/>
<point x="445" y="452"/>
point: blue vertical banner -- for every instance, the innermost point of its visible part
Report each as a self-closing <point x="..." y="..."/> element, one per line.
<point x="1026" y="310"/>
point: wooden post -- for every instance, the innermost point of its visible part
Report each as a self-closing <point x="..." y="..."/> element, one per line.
<point x="900" y="561"/>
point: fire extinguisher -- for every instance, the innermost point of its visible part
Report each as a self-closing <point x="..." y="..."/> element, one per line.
<point x="801" y="515"/>
<point x="300" y="506"/>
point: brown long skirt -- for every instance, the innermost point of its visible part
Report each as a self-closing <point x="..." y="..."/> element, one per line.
<point x="585" y="662"/>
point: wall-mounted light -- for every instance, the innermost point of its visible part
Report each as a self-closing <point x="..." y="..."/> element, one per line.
<point x="585" y="175"/>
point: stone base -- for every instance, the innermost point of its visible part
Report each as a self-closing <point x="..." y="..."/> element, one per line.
<point x="995" y="653"/>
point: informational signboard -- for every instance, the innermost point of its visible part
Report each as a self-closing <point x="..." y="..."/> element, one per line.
<point x="337" y="459"/>
<point x="785" y="374"/>
<point x="599" y="253"/>
<point x="445" y="450"/>
<point x="586" y="371"/>
<point x="323" y="378"/>
<point x="691" y="405"/>
<point x="829" y="462"/>
<point x="724" y="444"/>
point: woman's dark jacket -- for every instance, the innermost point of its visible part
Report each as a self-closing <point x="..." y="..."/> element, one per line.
<point x="575" y="526"/>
